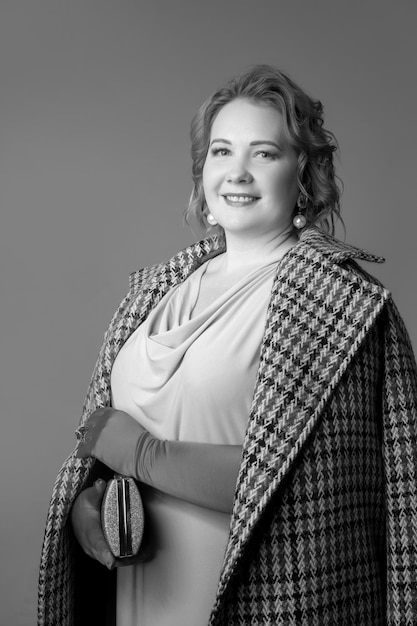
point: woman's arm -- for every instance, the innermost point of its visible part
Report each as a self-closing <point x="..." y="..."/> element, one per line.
<point x="200" y="473"/>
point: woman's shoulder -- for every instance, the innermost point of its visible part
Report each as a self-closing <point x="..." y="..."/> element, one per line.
<point x="139" y="277"/>
<point x="346" y="256"/>
<point x="335" y="249"/>
<point x="344" y="260"/>
<point x="178" y="267"/>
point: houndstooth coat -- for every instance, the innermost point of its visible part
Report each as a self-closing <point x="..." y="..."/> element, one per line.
<point x="324" y="524"/>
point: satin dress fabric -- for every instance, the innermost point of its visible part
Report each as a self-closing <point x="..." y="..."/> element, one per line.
<point x="188" y="377"/>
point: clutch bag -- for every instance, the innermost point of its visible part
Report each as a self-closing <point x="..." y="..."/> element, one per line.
<point x="122" y="517"/>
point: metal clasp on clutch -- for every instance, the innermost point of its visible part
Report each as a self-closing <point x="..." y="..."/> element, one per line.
<point x="125" y="523"/>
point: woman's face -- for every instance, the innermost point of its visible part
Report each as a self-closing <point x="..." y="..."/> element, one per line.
<point x="250" y="172"/>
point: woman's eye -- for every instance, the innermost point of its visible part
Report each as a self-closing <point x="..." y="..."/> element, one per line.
<point x="264" y="154"/>
<point x="220" y="151"/>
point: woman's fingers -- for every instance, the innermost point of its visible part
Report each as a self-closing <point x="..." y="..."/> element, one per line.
<point x="98" y="547"/>
<point x="90" y="434"/>
<point x="93" y="496"/>
<point x="110" y="436"/>
<point x="86" y="522"/>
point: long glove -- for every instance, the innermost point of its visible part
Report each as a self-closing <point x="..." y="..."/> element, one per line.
<point x="203" y="474"/>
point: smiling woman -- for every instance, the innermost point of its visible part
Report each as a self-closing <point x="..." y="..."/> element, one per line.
<point x="298" y="125"/>
<point x="251" y="165"/>
<point x="261" y="389"/>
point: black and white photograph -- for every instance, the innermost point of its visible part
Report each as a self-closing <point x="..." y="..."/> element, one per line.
<point x="208" y="313"/>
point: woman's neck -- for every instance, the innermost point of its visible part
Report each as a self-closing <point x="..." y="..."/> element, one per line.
<point x="242" y="253"/>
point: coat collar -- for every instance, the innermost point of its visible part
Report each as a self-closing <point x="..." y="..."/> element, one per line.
<point x="187" y="260"/>
<point x="335" y="250"/>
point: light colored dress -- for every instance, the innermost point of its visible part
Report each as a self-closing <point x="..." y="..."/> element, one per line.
<point x="188" y="378"/>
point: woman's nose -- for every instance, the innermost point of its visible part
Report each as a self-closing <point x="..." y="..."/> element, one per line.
<point x="239" y="173"/>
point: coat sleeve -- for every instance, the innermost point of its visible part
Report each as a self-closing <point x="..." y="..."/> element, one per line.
<point x="58" y="588"/>
<point x="400" y="458"/>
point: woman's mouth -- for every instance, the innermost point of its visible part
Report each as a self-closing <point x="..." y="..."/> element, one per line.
<point x="238" y="199"/>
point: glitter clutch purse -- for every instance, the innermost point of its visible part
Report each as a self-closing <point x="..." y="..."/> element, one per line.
<point x="122" y="516"/>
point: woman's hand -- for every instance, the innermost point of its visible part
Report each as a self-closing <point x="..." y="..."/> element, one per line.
<point x="111" y="436"/>
<point x="86" y="523"/>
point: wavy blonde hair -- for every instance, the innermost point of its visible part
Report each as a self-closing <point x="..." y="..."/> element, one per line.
<point x="303" y="119"/>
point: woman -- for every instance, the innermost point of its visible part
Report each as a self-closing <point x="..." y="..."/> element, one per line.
<point x="262" y="388"/>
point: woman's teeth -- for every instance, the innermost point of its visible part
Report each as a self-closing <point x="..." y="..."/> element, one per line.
<point x="240" y="198"/>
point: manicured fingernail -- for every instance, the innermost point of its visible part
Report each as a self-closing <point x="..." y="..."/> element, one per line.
<point x="109" y="563"/>
<point x="99" y="482"/>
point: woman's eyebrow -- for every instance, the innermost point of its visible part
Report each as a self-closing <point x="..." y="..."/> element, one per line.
<point x="221" y="140"/>
<point x="260" y="142"/>
<point x="265" y="142"/>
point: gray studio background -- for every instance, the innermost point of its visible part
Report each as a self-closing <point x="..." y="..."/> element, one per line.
<point x="96" y="97"/>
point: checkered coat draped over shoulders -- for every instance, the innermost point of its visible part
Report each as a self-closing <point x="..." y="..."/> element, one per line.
<point x="324" y="524"/>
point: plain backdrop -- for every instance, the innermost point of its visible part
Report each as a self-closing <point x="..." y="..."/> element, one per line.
<point x="96" y="98"/>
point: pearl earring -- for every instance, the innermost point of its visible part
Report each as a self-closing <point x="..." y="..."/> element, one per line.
<point x="211" y="219"/>
<point x="300" y="219"/>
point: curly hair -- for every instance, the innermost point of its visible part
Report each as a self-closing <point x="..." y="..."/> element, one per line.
<point x="303" y="120"/>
